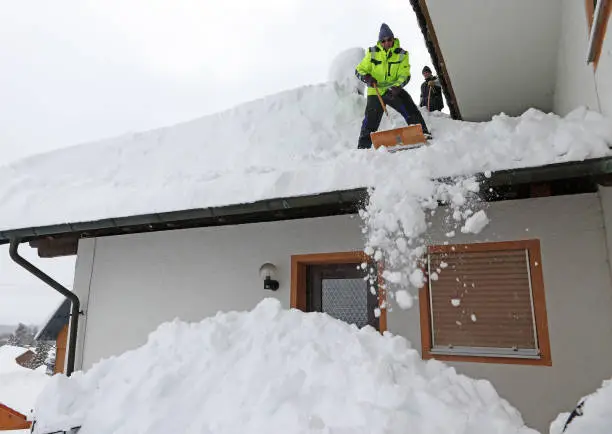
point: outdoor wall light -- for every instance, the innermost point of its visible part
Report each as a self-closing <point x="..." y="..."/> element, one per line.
<point x="268" y="273"/>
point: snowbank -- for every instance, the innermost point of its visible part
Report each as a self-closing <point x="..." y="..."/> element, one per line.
<point x="20" y="389"/>
<point x="596" y="415"/>
<point x="19" y="386"/>
<point x="342" y="70"/>
<point x="273" y="371"/>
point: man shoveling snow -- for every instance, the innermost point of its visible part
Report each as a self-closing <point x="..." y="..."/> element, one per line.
<point x="271" y="370"/>
<point x="386" y="66"/>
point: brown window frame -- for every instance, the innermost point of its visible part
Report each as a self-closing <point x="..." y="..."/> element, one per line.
<point x="299" y="264"/>
<point x="538" y="300"/>
<point x="597" y="29"/>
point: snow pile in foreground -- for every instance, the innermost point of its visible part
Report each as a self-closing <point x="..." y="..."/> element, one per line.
<point x="596" y="415"/>
<point x="20" y="389"/>
<point x="273" y="371"/>
<point x="19" y="386"/>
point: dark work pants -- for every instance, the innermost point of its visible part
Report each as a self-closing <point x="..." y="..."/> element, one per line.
<point x="403" y="103"/>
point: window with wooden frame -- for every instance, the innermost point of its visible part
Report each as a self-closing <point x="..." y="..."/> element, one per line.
<point x="485" y="302"/>
<point x="337" y="284"/>
<point x="598" y="15"/>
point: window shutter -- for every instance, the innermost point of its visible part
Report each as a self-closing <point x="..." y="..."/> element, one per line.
<point x="482" y="303"/>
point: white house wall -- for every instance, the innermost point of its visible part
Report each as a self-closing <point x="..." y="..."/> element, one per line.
<point x="139" y="281"/>
<point x="501" y="55"/>
<point x="578" y="84"/>
<point x="81" y="285"/>
<point x="605" y="196"/>
<point x="578" y="299"/>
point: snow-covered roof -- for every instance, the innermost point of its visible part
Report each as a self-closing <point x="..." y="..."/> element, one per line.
<point x="55" y="322"/>
<point x="298" y="142"/>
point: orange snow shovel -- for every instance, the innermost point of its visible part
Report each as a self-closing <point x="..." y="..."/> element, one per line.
<point x="407" y="137"/>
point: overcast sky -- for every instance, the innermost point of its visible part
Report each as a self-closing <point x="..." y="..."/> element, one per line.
<point x="74" y="71"/>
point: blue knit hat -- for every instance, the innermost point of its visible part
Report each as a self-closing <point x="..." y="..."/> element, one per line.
<point x="385" y="32"/>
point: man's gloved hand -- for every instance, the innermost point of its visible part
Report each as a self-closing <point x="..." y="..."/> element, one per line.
<point x="370" y="81"/>
<point x="395" y="91"/>
<point x="431" y="83"/>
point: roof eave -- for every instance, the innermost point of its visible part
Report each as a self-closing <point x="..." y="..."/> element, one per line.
<point x="317" y="205"/>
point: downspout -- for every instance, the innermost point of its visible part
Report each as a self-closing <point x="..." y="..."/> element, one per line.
<point x="76" y="304"/>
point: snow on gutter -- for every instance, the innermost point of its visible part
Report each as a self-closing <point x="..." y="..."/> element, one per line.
<point x="316" y="205"/>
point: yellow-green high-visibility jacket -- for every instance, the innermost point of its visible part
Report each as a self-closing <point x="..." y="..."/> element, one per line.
<point x="389" y="68"/>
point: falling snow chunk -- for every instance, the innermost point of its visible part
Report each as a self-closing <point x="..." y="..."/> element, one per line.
<point x="393" y="277"/>
<point x="473" y="317"/>
<point x="458" y="323"/>
<point x="377" y="312"/>
<point x="417" y="278"/>
<point x="450" y="234"/>
<point x="456" y="302"/>
<point x="475" y="223"/>
<point x="434" y="276"/>
<point x="404" y="299"/>
<point x="443" y="264"/>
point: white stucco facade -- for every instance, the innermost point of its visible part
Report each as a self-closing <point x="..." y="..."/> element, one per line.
<point x="579" y="83"/>
<point x="130" y="284"/>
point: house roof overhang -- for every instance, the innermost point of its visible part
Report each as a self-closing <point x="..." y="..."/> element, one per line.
<point x="62" y="239"/>
<point x="478" y="45"/>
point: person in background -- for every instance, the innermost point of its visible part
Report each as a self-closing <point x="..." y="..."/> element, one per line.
<point x="386" y="65"/>
<point x="431" y="92"/>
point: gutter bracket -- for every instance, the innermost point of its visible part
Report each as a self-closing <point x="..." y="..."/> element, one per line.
<point x="76" y="304"/>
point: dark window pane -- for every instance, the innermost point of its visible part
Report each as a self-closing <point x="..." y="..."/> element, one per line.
<point x="346" y="299"/>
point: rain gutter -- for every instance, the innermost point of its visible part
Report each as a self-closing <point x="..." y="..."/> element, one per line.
<point x="20" y="260"/>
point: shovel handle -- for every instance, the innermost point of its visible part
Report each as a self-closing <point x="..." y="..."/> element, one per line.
<point x="382" y="103"/>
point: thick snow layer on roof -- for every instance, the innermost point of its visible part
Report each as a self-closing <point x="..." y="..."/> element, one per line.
<point x="297" y="142"/>
<point x="596" y="414"/>
<point x="270" y="370"/>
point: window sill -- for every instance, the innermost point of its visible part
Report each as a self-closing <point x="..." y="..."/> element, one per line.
<point x="543" y="360"/>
